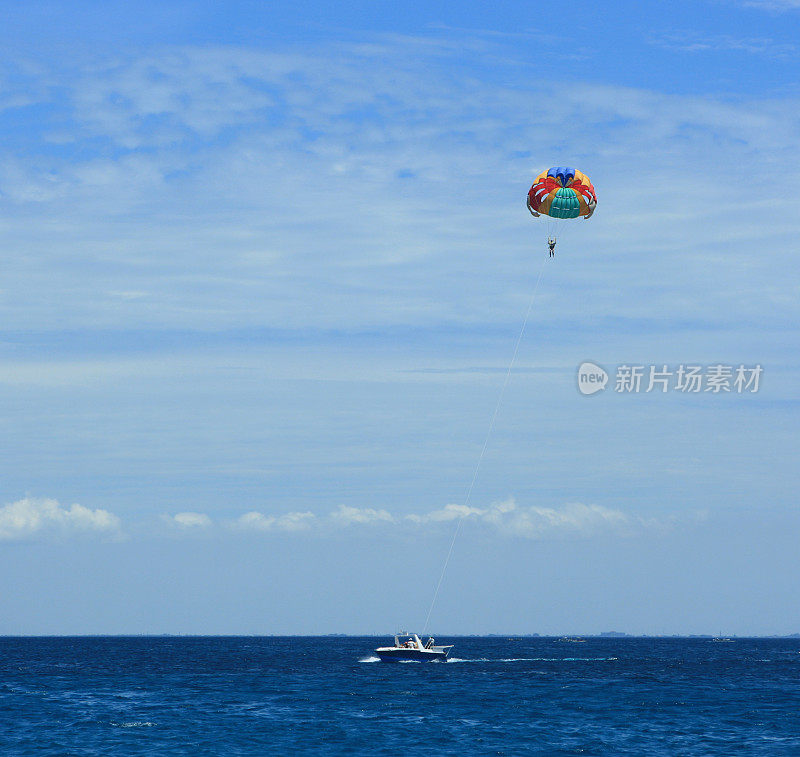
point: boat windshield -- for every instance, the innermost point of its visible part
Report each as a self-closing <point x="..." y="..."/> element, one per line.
<point x="410" y="641"/>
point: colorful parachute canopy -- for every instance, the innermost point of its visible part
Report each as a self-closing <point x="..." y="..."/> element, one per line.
<point x="562" y="193"/>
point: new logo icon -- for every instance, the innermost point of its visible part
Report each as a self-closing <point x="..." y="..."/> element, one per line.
<point x="591" y="378"/>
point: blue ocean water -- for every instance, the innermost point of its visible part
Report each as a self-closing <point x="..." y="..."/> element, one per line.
<point x="269" y="695"/>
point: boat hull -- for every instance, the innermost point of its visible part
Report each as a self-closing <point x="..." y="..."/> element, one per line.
<point x="420" y="655"/>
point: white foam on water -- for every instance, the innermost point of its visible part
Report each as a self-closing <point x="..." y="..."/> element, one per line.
<point x="506" y="659"/>
<point x="134" y="724"/>
<point x="493" y="659"/>
<point x="533" y="659"/>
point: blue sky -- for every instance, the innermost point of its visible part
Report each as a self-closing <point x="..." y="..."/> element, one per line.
<point x="262" y="273"/>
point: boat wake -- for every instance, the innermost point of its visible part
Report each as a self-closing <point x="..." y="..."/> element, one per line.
<point x="533" y="659"/>
<point x="372" y="658"/>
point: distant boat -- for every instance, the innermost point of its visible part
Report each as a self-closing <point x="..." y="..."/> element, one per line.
<point x="722" y="639"/>
<point x="408" y="646"/>
<point x="573" y="639"/>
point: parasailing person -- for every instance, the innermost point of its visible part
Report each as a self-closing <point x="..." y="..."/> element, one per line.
<point x="561" y="194"/>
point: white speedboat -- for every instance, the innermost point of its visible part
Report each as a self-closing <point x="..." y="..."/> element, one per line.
<point x="408" y="646"/>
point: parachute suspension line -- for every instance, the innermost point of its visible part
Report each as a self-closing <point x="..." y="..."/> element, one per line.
<point x="557" y="227"/>
<point x="554" y="227"/>
<point x="485" y="443"/>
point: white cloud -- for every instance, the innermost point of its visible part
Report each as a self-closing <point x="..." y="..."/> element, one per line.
<point x="508" y="518"/>
<point x="692" y="41"/>
<point x="255" y="521"/>
<point x="445" y="514"/>
<point x="192" y="520"/>
<point x="772" y="5"/>
<point x="346" y="515"/>
<point x="534" y="522"/>
<point x="32" y="516"/>
<point x="293" y="521"/>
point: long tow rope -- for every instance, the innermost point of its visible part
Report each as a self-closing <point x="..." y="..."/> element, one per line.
<point x="485" y="444"/>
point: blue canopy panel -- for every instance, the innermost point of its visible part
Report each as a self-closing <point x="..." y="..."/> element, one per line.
<point x="563" y="174"/>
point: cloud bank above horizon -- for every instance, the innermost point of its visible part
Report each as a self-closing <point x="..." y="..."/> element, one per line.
<point x="38" y="518"/>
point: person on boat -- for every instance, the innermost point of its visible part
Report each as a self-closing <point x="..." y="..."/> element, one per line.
<point x="551" y="243"/>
